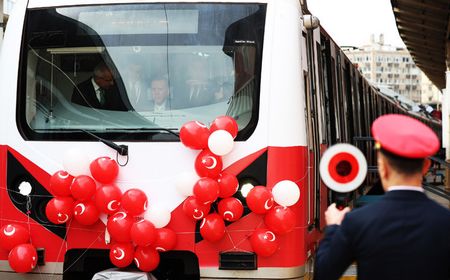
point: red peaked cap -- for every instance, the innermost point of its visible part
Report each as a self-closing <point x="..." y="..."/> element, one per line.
<point x="405" y="136"/>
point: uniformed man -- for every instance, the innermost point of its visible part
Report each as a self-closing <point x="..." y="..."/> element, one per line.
<point x="404" y="235"/>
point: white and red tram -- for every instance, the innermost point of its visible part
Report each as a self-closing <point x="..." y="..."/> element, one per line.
<point x="290" y="88"/>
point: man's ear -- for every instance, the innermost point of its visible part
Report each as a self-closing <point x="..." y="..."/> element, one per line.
<point x="382" y="168"/>
<point x="426" y="166"/>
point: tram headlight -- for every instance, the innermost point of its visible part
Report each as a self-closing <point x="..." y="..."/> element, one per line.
<point x="246" y="185"/>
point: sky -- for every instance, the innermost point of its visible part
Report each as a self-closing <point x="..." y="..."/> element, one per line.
<point x="350" y="22"/>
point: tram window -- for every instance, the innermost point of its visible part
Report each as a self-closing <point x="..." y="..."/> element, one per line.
<point x="206" y="59"/>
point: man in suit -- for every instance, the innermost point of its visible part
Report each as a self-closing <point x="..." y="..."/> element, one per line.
<point x="404" y="235"/>
<point x="99" y="91"/>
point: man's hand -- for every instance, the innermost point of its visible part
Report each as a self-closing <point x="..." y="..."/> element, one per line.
<point x="334" y="216"/>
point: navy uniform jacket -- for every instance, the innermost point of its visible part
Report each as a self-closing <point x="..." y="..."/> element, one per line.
<point x="404" y="235"/>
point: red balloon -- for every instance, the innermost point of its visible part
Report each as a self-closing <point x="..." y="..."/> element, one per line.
<point x="107" y="199"/>
<point x="134" y="201"/>
<point x="146" y="258"/>
<point x="231" y="209"/>
<point x="60" y="183"/>
<point x="12" y="235"/>
<point x="195" y="209"/>
<point x="280" y="220"/>
<point x="212" y="227"/>
<point x="23" y="258"/>
<point x="83" y="188"/>
<point x="59" y="209"/>
<point x="121" y="254"/>
<point x="119" y="226"/>
<point x="206" y="190"/>
<point x="259" y="200"/>
<point x="208" y="164"/>
<point x="85" y="212"/>
<point x="226" y="123"/>
<point x="264" y="242"/>
<point x="228" y="184"/>
<point x="104" y="169"/>
<point x="194" y="135"/>
<point x="166" y="239"/>
<point x="143" y="233"/>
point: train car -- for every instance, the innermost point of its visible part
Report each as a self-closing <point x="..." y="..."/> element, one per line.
<point x="289" y="87"/>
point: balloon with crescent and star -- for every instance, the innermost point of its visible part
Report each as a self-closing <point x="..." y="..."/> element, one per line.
<point x="121" y="254"/>
<point x="12" y="235"/>
<point x="59" y="209"/>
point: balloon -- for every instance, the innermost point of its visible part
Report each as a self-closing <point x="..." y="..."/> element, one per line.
<point x="146" y="258"/>
<point x="264" y="242"/>
<point x="104" y="169"/>
<point x="60" y="183"/>
<point x="226" y="123"/>
<point x="119" y="226"/>
<point x="12" y="235"/>
<point x="83" y="188"/>
<point x="208" y="164"/>
<point x="59" y="209"/>
<point x="185" y="183"/>
<point x="134" y="201"/>
<point x="228" y="184"/>
<point x="85" y="212"/>
<point x="195" y="209"/>
<point x="280" y="220"/>
<point x="212" y="227"/>
<point x="143" y="233"/>
<point x="259" y="200"/>
<point x="159" y="215"/>
<point x="194" y="135"/>
<point x="286" y="193"/>
<point x="107" y="199"/>
<point x="166" y="239"/>
<point x="220" y="142"/>
<point x="206" y="190"/>
<point x="76" y="162"/>
<point x="230" y="209"/>
<point x="23" y="258"/>
<point x="121" y="254"/>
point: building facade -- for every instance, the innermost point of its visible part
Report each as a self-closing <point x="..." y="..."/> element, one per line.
<point x="393" y="67"/>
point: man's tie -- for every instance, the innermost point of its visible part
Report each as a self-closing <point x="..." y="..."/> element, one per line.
<point x="101" y="93"/>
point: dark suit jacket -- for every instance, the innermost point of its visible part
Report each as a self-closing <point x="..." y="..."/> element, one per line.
<point x="404" y="236"/>
<point x="85" y="96"/>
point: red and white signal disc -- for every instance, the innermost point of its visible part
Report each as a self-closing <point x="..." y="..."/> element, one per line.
<point x="343" y="168"/>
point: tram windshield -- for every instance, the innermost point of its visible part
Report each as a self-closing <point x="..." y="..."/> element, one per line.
<point x="139" y="68"/>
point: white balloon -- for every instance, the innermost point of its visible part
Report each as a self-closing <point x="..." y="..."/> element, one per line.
<point x="286" y="193"/>
<point x="76" y="162"/>
<point x="158" y="215"/>
<point x="220" y="142"/>
<point x="185" y="182"/>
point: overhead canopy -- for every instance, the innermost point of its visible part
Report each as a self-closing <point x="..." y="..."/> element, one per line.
<point x="423" y="25"/>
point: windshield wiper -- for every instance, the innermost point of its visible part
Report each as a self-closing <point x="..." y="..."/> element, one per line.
<point x="139" y="129"/>
<point x="121" y="149"/>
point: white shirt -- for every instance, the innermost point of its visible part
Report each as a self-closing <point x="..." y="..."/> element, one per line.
<point x="159" y="108"/>
<point x="405" y="188"/>
<point x="98" y="90"/>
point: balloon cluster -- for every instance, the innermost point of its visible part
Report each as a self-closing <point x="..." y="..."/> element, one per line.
<point x="279" y="219"/>
<point x="22" y="255"/>
<point x="212" y="186"/>
<point x="133" y="237"/>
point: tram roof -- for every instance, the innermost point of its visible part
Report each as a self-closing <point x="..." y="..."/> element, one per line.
<point x="424" y="27"/>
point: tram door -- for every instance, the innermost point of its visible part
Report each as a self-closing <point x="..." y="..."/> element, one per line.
<point x="313" y="129"/>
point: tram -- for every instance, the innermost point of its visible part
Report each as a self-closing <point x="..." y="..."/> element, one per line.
<point x="289" y="87"/>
